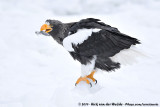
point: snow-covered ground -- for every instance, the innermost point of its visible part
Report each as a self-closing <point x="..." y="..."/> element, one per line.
<point x="36" y="72"/>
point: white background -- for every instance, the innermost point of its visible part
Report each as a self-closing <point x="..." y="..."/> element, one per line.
<point x="36" y="72"/>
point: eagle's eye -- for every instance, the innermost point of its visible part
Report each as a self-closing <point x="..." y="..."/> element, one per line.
<point x="47" y="23"/>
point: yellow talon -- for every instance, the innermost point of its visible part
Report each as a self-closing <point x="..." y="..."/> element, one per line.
<point x="83" y="79"/>
<point x="91" y="76"/>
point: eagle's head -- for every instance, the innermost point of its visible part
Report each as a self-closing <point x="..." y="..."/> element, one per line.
<point x="54" y="28"/>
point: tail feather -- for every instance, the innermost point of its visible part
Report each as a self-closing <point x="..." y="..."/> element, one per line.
<point x="128" y="56"/>
<point x="106" y="64"/>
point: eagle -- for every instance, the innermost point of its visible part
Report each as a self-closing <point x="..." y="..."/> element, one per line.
<point x="92" y="42"/>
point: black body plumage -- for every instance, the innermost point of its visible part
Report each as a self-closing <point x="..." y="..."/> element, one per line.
<point x="103" y="44"/>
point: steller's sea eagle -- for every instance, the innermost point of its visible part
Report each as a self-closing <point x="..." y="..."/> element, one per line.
<point x="93" y="43"/>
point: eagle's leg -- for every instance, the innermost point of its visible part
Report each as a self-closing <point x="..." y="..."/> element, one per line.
<point x="83" y="79"/>
<point x="91" y="77"/>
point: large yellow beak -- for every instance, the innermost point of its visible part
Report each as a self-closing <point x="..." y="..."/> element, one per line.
<point x="46" y="27"/>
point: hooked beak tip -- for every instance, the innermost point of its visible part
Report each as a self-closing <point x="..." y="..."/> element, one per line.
<point x="46" y="28"/>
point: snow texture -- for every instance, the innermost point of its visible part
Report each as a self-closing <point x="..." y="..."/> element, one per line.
<point x="37" y="72"/>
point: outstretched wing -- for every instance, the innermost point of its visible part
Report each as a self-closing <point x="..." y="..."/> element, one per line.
<point x="91" y="37"/>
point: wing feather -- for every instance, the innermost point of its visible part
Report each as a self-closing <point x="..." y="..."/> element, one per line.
<point x="103" y="42"/>
<point x="108" y="40"/>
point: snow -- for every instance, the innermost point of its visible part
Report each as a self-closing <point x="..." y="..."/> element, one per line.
<point x="36" y="72"/>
